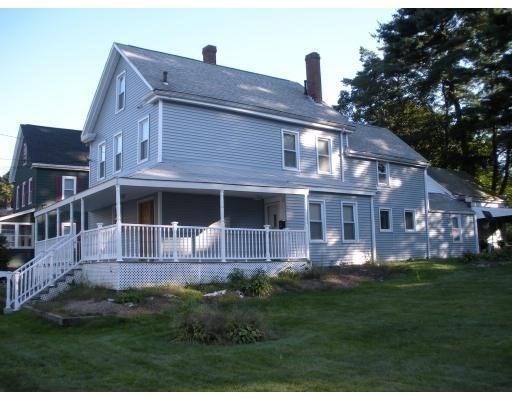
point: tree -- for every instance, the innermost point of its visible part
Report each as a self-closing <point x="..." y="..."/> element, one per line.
<point x="5" y="192"/>
<point x="443" y="84"/>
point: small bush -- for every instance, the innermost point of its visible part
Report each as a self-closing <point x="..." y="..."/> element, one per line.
<point x="259" y="285"/>
<point x="130" y="296"/>
<point x="237" y="279"/>
<point x="211" y="325"/>
<point x="469" y="256"/>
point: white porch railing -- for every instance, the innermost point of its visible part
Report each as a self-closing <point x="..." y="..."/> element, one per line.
<point x="40" y="272"/>
<point x="177" y="243"/>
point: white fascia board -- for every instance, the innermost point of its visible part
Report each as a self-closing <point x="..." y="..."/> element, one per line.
<point x="154" y="97"/>
<point x="19" y="214"/>
<point x="360" y="192"/>
<point x="376" y="157"/>
<point x="211" y="186"/>
<point x="60" y="166"/>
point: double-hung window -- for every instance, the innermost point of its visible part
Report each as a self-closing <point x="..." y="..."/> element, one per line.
<point x="290" y="150"/>
<point x="118" y="152"/>
<point x="120" y="91"/>
<point x="25" y="155"/>
<point x="386" y="220"/>
<point x="101" y="161"/>
<point x="349" y="222"/>
<point x="29" y="200"/>
<point x="456" y="228"/>
<point x="68" y="186"/>
<point x="410" y="220"/>
<point x="144" y="139"/>
<point x="23" y="193"/>
<point x="316" y="221"/>
<point x="323" y="152"/>
<point x="382" y="173"/>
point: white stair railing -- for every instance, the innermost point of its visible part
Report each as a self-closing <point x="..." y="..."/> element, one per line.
<point x="36" y="275"/>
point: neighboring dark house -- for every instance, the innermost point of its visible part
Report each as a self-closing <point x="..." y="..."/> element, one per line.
<point x="49" y="164"/>
<point x="458" y="192"/>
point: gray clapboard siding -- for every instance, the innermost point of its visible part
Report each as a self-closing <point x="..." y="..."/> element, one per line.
<point x="441" y="241"/>
<point x="295" y="213"/>
<point x="406" y="191"/>
<point x="193" y="133"/>
<point x="360" y="172"/>
<point x="334" y="251"/>
<point x="109" y="123"/>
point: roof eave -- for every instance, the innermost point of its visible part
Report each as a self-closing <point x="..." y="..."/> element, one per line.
<point x="382" y="157"/>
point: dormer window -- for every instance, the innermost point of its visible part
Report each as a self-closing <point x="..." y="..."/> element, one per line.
<point x="120" y="91"/>
<point x="382" y="173"/>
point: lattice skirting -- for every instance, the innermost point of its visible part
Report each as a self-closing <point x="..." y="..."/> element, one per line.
<point x="125" y="275"/>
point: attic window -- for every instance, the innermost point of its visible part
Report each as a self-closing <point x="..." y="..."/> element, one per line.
<point x="24" y="155"/>
<point x="120" y="91"/>
<point x="382" y="173"/>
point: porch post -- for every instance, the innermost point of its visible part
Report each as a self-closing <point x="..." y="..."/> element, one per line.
<point x="222" y="229"/>
<point x="267" y="242"/>
<point x="82" y="215"/>
<point x="71" y="218"/>
<point x="16" y="235"/>
<point x="119" y="237"/>
<point x="34" y="233"/>
<point x="57" y="231"/>
<point x="306" y="223"/>
<point x="45" y="227"/>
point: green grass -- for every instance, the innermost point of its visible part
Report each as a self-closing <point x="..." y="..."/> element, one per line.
<point x="436" y="326"/>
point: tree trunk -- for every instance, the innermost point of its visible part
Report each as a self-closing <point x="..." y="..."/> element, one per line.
<point x="506" y="175"/>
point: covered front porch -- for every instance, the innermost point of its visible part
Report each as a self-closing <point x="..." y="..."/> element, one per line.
<point x="130" y="220"/>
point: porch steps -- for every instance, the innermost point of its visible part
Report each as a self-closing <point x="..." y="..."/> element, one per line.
<point x="62" y="284"/>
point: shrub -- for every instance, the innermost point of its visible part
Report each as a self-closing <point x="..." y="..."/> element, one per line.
<point x="130" y="296"/>
<point x="237" y="279"/>
<point x="258" y="285"/>
<point x="469" y="256"/>
<point x="212" y="325"/>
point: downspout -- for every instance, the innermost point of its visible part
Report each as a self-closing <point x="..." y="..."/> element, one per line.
<point x="427" y="207"/>
<point x="374" y="243"/>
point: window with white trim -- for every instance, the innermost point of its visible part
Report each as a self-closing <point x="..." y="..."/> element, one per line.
<point x="144" y="139"/>
<point x="65" y="228"/>
<point x="290" y="150"/>
<point x="29" y="200"/>
<point x="316" y="220"/>
<point x="23" y="191"/>
<point x="101" y="161"/>
<point x="118" y="152"/>
<point x="323" y="152"/>
<point x="382" y="173"/>
<point x="120" y="91"/>
<point x="17" y="197"/>
<point x="410" y="220"/>
<point x="386" y="220"/>
<point x="456" y="228"/>
<point x="349" y="222"/>
<point x="68" y="186"/>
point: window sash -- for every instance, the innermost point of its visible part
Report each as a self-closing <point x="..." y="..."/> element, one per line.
<point x="120" y="91"/>
<point x="101" y="156"/>
<point x="144" y="139"/>
<point x="349" y="222"/>
<point x="23" y="191"/>
<point x="316" y="224"/>
<point x="118" y="152"/>
<point x="410" y="224"/>
<point x="290" y="150"/>
<point x="68" y="191"/>
<point x="323" y="153"/>
<point x="17" y="197"/>
<point x="383" y="176"/>
<point x="30" y="191"/>
<point x="385" y="220"/>
<point x="456" y="228"/>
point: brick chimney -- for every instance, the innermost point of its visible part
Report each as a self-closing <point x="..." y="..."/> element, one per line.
<point x="210" y="54"/>
<point x="314" y="80"/>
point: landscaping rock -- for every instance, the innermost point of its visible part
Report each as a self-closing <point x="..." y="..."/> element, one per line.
<point x="216" y="294"/>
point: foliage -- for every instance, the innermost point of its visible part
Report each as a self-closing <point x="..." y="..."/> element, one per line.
<point x="258" y="285"/>
<point x="212" y="325"/>
<point x="6" y="191"/>
<point x="443" y="83"/>
<point x="130" y="296"/>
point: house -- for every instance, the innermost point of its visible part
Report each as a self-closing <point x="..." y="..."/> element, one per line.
<point x="48" y="165"/>
<point x="461" y="191"/>
<point x="197" y="169"/>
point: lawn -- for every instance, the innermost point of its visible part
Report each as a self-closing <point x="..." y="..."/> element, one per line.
<point x="436" y="326"/>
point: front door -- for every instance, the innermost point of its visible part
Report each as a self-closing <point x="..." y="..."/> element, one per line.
<point x="273" y="215"/>
<point x="146" y="216"/>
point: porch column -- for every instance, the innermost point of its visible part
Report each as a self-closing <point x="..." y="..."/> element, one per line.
<point x="306" y="222"/>
<point x="45" y="226"/>
<point x="222" y="229"/>
<point x="16" y="235"/>
<point x="34" y="232"/>
<point x="119" y="238"/>
<point x="82" y="215"/>
<point x="71" y="218"/>
<point x="57" y="229"/>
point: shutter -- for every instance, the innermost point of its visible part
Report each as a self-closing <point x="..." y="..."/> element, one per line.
<point x="58" y="188"/>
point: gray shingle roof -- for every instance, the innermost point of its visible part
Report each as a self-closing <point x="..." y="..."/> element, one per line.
<point x="460" y="184"/>
<point x="193" y="79"/>
<point x="376" y="141"/>
<point x="443" y="202"/>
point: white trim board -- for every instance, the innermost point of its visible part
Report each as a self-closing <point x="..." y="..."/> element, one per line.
<point x="15" y="215"/>
<point x="60" y="166"/>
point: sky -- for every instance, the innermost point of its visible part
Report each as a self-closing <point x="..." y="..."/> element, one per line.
<point x="51" y="60"/>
